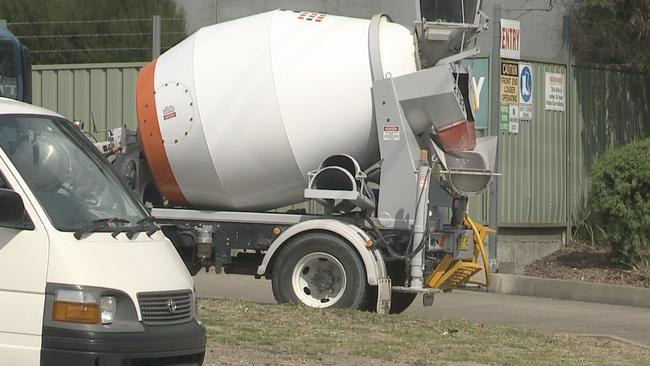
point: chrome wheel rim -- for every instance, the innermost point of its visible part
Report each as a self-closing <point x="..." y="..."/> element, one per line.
<point x="318" y="280"/>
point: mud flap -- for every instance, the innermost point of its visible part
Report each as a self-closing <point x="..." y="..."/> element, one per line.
<point x="383" y="295"/>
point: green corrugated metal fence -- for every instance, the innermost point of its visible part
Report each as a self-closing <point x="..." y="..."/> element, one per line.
<point x="532" y="189"/>
<point x="610" y="108"/>
<point x="103" y="93"/>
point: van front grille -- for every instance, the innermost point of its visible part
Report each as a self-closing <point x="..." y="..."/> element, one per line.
<point x="159" y="308"/>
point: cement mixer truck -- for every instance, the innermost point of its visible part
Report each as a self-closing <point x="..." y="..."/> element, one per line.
<point x="372" y="121"/>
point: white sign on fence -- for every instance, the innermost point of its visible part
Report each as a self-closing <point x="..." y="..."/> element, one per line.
<point x="555" y="92"/>
<point x="510" y="39"/>
<point x="525" y="93"/>
<point x="513" y="125"/>
<point x="525" y="113"/>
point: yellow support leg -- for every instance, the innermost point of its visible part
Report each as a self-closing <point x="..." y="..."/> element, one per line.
<point x="439" y="271"/>
<point x="481" y="232"/>
<point x="450" y="274"/>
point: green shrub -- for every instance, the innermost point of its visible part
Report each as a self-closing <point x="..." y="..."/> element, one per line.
<point x="620" y="197"/>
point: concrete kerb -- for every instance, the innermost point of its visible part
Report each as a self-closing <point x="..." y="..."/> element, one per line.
<point x="569" y="290"/>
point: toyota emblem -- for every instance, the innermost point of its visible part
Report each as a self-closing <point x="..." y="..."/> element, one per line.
<point x="171" y="306"/>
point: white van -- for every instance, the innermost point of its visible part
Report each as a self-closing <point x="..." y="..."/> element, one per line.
<point x="86" y="277"/>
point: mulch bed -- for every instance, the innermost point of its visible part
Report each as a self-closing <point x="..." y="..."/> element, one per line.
<point x="582" y="262"/>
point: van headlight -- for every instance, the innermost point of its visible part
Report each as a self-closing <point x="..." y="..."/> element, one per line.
<point x="107" y="308"/>
<point x="83" y="306"/>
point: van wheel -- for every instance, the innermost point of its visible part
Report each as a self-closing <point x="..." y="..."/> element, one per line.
<point x="319" y="270"/>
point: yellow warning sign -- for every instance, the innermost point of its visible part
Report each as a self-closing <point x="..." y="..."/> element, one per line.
<point x="463" y="242"/>
<point x="509" y="83"/>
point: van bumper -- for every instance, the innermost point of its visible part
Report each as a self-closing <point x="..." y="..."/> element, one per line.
<point x="165" y="345"/>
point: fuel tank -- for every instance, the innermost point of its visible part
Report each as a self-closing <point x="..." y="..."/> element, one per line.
<point x="236" y="115"/>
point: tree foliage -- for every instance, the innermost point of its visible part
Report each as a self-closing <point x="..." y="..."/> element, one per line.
<point x="87" y="31"/>
<point x="620" y="197"/>
<point x="613" y="32"/>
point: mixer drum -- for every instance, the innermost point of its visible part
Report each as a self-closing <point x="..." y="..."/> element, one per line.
<point x="236" y="115"/>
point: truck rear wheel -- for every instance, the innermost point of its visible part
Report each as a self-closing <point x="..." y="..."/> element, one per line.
<point x="399" y="301"/>
<point x="320" y="270"/>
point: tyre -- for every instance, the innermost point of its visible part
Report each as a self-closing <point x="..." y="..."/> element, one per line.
<point x="320" y="270"/>
<point x="399" y="301"/>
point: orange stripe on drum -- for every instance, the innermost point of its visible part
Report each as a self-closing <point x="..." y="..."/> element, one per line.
<point x="151" y="137"/>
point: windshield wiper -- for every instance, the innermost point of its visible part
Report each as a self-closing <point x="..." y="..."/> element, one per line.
<point x="99" y="224"/>
<point x="147" y="224"/>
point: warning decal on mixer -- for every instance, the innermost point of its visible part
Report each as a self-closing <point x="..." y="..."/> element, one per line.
<point x="309" y="16"/>
<point x="169" y="112"/>
<point x="423" y="180"/>
<point x="391" y="133"/>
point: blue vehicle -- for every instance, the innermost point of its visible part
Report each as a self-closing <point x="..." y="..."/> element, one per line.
<point x="15" y="68"/>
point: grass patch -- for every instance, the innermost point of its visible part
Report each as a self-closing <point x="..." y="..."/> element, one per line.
<point x="639" y="263"/>
<point x="301" y="335"/>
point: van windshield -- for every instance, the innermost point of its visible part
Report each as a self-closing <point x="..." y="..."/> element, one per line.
<point x="72" y="182"/>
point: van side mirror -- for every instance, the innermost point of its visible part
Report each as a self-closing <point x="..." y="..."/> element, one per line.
<point x="12" y="210"/>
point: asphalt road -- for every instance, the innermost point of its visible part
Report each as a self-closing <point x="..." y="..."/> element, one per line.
<point x="557" y="316"/>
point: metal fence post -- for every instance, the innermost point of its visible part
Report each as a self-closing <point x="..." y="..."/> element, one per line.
<point x="568" y="146"/>
<point x="495" y="61"/>
<point x="156" y="39"/>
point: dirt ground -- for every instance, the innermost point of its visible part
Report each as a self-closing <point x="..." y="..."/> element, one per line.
<point x="584" y="262"/>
